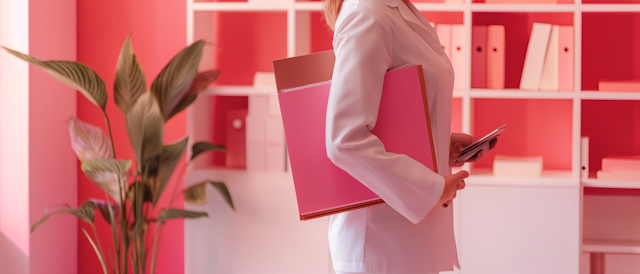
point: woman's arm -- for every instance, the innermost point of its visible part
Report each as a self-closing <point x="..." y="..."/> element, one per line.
<point x="363" y="49"/>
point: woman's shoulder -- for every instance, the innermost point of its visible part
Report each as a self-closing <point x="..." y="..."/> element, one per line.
<point x="375" y="11"/>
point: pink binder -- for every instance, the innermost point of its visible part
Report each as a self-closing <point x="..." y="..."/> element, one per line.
<point x="479" y="57"/>
<point x="566" y="55"/>
<point x="403" y="126"/>
<point x="495" y="56"/>
<point x="444" y="35"/>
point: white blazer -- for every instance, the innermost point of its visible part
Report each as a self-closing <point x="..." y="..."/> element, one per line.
<point x="407" y="235"/>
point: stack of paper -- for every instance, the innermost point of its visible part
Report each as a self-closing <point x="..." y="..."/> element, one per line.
<point x="510" y="166"/>
<point x="624" y="168"/>
<point x="619" y="86"/>
<point x="549" y="64"/>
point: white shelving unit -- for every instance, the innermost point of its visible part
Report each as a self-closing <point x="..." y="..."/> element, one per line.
<point x="562" y="188"/>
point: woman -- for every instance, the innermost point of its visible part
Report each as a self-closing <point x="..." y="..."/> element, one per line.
<point x="413" y="232"/>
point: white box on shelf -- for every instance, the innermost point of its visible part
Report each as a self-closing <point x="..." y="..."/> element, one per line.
<point x="258" y="104"/>
<point x="621" y="163"/>
<point x="618" y="175"/>
<point x="264" y="79"/>
<point x="534" y="59"/>
<point x="584" y="157"/>
<point x="256" y="147"/>
<point x="275" y="145"/>
<point x="510" y="166"/>
<point x="274" y="104"/>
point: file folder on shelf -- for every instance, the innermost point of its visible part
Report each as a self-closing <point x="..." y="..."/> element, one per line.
<point x="495" y="56"/>
<point x="403" y="126"/>
<point x="534" y="60"/>
<point x="479" y="57"/>
<point x="566" y="61"/>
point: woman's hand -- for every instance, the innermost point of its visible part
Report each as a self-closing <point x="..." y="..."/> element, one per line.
<point x="452" y="183"/>
<point x="460" y="141"/>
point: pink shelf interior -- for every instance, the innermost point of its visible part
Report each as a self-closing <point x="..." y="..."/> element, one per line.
<point x="321" y="35"/>
<point x="613" y="129"/>
<point x="610" y="47"/>
<point x="254" y="41"/>
<point x="534" y="127"/>
<point x="518" y="28"/>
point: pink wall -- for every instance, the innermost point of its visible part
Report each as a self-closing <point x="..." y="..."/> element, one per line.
<point x="52" y="173"/>
<point x="159" y="32"/>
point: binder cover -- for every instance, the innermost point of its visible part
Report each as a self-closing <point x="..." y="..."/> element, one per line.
<point x="534" y="60"/>
<point x="444" y="35"/>
<point x="495" y="56"/>
<point x="550" y="72"/>
<point x="457" y="55"/>
<point x="479" y="57"/>
<point x="566" y="61"/>
<point x="403" y="126"/>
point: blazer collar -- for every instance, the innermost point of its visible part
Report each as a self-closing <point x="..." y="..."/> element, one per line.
<point x="406" y="12"/>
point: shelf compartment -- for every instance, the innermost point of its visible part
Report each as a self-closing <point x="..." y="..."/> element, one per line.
<point x="481" y="7"/>
<point x="256" y="39"/>
<point x="518" y="26"/>
<point x="613" y="128"/>
<point x="611" y="215"/>
<point x="610" y="47"/>
<point x="610" y="246"/>
<point x="534" y="127"/>
<point x="312" y="33"/>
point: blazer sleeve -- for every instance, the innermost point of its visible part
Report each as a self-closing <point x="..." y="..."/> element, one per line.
<point x="363" y="49"/>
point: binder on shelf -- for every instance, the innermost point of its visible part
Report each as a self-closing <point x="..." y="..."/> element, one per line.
<point x="550" y="71"/>
<point x="479" y="57"/>
<point x="275" y="148"/>
<point x="403" y="125"/>
<point x="495" y="56"/>
<point x="621" y="163"/>
<point x="566" y="59"/>
<point x="584" y="157"/>
<point x="619" y="86"/>
<point x="457" y="55"/>
<point x="509" y="166"/>
<point x="444" y="35"/>
<point x="256" y="125"/>
<point x="534" y="59"/>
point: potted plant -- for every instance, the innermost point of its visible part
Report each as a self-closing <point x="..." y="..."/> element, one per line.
<point x="133" y="188"/>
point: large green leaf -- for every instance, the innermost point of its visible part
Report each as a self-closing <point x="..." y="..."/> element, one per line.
<point x="88" y="141"/>
<point x="74" y="75"/>
<point x="175" y="78"/>
<point x="170" y="213"/>
<point x="86" y="212"/>
<point x="130" y="82"/>
<point x="196" y="194"/>
<point x="200" y="83"/>
<point x="169" y="158"/>
<point x="145" y="128"/>
<point x="108" y="175"/>
<point x="201" y="147"/>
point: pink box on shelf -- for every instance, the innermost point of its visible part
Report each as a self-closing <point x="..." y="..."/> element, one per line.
<point x="444" y="35"/>
<point x="621" y="163"/>
<point x="621" y="86"/>
<point x="457" y="55"/>
<point x="479" y="57"/>
<point x="566" y="59"/>
<point x="619" y="176"/>
<point x="495" y="56"/>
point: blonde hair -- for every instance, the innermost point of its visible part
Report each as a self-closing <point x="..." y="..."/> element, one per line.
<point x="331" y="11"/>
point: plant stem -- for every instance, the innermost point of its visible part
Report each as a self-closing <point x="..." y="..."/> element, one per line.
<point x="95" y="234"/>
<point x="154" y="247"/>
<point x="114" y="236"/>
<point x="113" y="148"/>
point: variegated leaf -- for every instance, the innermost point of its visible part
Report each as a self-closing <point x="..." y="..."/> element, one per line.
<point x="86" y="212"/>
<point x="169" y="158"/>
<point x="196" y="194"/>
<point x="108" y="175"/>
<point x="200" y="83"/>
<point x="170" y="213"/>
<point x="103" y="207"/>
<point x="145" y="128"/>
<point x="74" y="75"/>
<point x="88" y="141"/>
<point x="175" y="78"/>
<point x="130" y="81"/>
